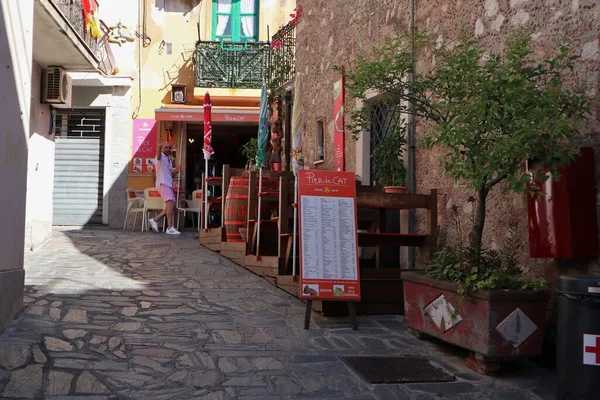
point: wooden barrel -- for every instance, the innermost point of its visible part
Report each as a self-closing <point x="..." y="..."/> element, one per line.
<point x="236" y="205"/>
<point x="236" y="208"/>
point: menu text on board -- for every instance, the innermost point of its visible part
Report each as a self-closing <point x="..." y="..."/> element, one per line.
<point x="328" y="236"/>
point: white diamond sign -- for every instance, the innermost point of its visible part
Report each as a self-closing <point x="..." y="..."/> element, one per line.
<point x="443" y="314"/>
<point x="516" y="328"/>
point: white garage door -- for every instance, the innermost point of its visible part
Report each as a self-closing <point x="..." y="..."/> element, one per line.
<point x="78" y="167"/>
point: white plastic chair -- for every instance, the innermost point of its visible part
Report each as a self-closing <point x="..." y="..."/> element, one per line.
<point x="135" y="205"/>
<point x="152" y="202"/>
<point x="192" y="206"/>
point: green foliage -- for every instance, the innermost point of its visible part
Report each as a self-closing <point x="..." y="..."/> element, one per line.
<point x="250" y="149"/>
<point x="473" y="269"/>
<point x="385" y="73"/>
<point x="495" y="111"/>
<point x="490" y="112"/>
<point x="390" y="167"/>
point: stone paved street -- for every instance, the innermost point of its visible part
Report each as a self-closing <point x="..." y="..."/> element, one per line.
<point x="125" y="315"/>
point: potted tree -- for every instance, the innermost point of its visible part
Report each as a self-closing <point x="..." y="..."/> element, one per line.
<point x="390" y="171"/>
<point x="488" y="113"/>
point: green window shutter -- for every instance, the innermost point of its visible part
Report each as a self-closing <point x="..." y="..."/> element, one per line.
<point x="233" y="20"/>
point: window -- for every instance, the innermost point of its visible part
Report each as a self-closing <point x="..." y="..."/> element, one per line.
<point x="80" y="123"/>
<point x="385" y="119"/>
<point x="235" y="20"/>
<point x="176" y="6"/>
<point x="320" y="141"/>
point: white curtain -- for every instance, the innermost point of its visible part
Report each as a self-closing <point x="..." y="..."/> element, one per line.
<point x="248" y="23"/>
<point x="223" y="6"/>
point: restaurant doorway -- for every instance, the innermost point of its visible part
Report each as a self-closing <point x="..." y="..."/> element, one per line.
<point x="227" y="141"/>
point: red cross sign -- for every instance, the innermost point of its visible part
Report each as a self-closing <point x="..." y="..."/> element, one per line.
<point x="591" y="349"/>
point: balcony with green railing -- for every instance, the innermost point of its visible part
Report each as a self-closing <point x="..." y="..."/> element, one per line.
<point x="283" y="57"/>
<point x="232" y="65"/>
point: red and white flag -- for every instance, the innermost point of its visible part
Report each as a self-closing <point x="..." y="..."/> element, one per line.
<point x="207" y="149"/>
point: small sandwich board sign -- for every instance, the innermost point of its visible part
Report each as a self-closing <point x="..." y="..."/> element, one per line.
<point x="328" y="238"/>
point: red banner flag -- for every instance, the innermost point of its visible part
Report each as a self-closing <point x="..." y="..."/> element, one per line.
<point x="339" y="135"/>
<point x="207" y="149"/>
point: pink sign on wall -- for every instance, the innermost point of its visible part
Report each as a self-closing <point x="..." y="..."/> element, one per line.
<point x="145" y="133"/>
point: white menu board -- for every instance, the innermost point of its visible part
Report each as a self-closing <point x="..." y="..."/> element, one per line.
<point x="328" y="238"/>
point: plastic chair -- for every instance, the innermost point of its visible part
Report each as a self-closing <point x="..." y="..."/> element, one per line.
<point x="152" y="202"/>
<point x="135" y="205"/>
<point x="192" y="206"/>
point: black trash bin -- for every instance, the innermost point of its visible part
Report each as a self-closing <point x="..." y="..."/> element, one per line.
<point x="578" y="347"/>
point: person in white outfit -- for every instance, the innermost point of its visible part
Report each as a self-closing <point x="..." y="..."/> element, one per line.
<point x="164" y="183"/>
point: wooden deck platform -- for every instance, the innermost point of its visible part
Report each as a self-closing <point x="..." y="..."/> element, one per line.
<point x="381" y="286"/>
<point x="211" y="239"/>
<point x="266" y="267"/>
<point x="235" y="251"/>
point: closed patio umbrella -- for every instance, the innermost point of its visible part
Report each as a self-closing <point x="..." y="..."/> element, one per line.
<point x="261" y="156"/>
<point x="208" y="152"/>
<point x="297" y="161"/>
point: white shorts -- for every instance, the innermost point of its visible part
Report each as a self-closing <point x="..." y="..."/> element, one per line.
<point x="166" y="193"/>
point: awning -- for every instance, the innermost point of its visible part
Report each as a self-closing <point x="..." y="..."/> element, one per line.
<point x="220" y="114"/>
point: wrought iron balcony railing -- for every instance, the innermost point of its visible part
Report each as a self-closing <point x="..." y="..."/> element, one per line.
<point x="232" y="65"/>
<point x="73" y="11"/>
<point x="283" y="56"/>
<point x="107" y="64"/>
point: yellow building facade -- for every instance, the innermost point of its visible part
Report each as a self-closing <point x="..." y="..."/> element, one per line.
<point x="194" y="47"/>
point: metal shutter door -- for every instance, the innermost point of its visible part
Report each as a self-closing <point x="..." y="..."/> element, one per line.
<point x="78" y="173"/>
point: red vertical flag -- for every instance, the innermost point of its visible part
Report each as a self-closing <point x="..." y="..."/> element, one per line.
<point x="207" y="149"/>
<point x="339" y="134"/>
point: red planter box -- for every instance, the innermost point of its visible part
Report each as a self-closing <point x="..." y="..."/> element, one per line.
<point x="491" y="323"/>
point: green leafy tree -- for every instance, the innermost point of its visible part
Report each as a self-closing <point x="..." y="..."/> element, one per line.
<point x="491" y="112"/>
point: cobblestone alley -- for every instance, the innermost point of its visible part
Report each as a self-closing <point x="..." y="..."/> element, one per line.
<point x="124" y="315"/>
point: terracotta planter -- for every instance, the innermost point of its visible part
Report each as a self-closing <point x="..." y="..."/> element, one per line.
<point x="394" y="189"/>
<point x="493" y="324"/>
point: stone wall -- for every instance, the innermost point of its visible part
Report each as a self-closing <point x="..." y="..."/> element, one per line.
<point x="335" y="32"/>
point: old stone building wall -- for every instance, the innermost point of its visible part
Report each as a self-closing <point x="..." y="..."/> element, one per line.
<point x="336" y="32"/>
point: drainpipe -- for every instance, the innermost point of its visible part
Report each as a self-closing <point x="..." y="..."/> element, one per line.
<point x="412" y="181"/>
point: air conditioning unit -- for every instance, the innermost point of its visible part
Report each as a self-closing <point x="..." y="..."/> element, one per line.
<point x="56" y="88"/>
